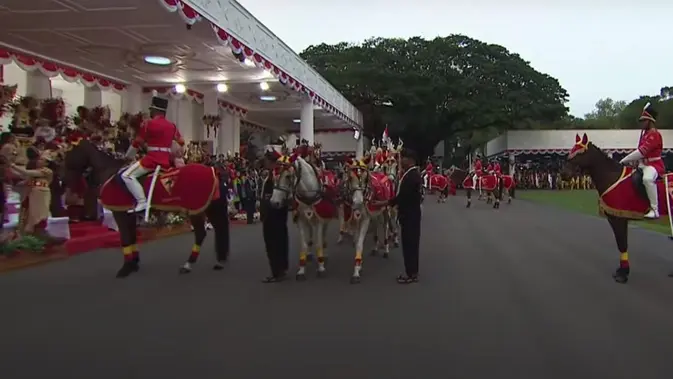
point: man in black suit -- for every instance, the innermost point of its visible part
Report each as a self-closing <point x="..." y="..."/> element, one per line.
<point x="408" y="201"/>
<point x="274" y="226"/>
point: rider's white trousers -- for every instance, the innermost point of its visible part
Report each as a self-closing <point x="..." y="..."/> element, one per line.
<point x="650" y="175"/>
<point x="130" y="177"/>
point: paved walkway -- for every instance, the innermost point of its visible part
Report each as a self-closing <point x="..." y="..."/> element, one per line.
<point x="523" y="292"/>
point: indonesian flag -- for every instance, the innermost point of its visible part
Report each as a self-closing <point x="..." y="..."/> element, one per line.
<point x="385" y="136"/>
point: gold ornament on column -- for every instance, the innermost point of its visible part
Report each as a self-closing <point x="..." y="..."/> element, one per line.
<point x="211" y="121"/>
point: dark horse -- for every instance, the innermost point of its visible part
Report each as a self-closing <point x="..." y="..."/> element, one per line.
<point x="105" y="166"/>
<point x="458" y="175"/>
<point x="608" y="175"/>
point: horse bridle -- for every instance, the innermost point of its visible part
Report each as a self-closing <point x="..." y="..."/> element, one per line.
<point x="365" y="187"/>
<point x="296" y="173"/>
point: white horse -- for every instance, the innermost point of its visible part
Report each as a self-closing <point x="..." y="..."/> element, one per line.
<point x="298" y="180"/>
<point x="367" y="209"/>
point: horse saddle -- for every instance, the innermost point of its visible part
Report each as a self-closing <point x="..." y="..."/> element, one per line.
<point x="637" y="182"/>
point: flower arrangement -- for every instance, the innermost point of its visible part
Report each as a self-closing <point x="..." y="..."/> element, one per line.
<point x="24" y="244"/>
<point x="7" y="94"/>
<point x="211" y="121"/>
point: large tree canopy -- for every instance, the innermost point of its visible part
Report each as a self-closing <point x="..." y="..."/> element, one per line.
<point x="453" y="87"/>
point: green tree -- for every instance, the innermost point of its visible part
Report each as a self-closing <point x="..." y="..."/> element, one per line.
<point x="450" y="87"/>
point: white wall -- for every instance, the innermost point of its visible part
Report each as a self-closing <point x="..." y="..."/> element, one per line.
<point x="336" y="141"/>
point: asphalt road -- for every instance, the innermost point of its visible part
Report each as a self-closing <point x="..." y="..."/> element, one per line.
<point x="523" y="292"/>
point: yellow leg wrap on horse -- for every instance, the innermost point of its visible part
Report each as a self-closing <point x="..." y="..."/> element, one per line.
<point x="624" y="256"/>
<point x="127" y="250"/>
<point x="196" y="248"/>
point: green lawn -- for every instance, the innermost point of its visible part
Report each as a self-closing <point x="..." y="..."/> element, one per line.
<point x="583" y="202"/>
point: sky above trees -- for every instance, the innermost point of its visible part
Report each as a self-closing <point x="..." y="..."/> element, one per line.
<point x="596" y="49"/>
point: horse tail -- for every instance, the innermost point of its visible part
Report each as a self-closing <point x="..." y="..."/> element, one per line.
<point x="218" y="216"/>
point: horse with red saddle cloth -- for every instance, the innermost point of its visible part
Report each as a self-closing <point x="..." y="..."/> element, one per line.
<point x="193" y="189"/>
<point x="625" y="192"/>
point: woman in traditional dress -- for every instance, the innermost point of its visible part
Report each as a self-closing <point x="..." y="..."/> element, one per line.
<point x="35" y="205"/>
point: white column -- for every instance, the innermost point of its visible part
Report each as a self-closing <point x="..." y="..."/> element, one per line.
<point x="199" y="131"/>
<point x="185" y="119"/>
<point x="38" y="85"/>
<point x="225" y="135"/>
<point x="237" y="134"/>
<point x="132" y="100"/>
<point x="306" y="117"/>
<point x="173" y="111"/>
<point x="360" y="147"/>
<point x="92" y="97"/>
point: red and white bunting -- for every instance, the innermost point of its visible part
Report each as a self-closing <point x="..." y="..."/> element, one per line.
<point x="233" y="108"/>
<point x="52" y="69"/>
<point x="251" y="126"/>
<point x="564" y="151"/>
<point x="319" y="131"/>
<point x="173" y="94"/>
<point x="190" y="16"/>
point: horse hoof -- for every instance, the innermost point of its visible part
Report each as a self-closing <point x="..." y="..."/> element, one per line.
<point x="300" y="277"/>
<point x="127" y="269"/>
<point x="620" y="278"/>
<point x="509" y="201"/>
<point x="468" y="204"/>
<point x="396" y="244"/>
<point x="355" y="280"/>
<point x="321" y="274"/>
<point x="385" y="255"/>
<point x="184" y="270"/>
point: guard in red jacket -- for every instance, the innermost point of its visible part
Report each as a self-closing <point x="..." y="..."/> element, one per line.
<point x="478" y="171"/>
<point x="489" y="168"/>
<point x="159" y="134"/>
<point x="428" y="173"/>
<point x="648" y="155"/>
<point x="496" y="169"/>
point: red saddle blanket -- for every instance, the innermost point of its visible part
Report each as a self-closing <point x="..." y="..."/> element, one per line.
<point x="190" y="188"/>
<point x="383" y="190"/>
<point x="438" y="182"/>
<point x="488" y="182"/>
<point x="507" y="181"/>
<point x="325" y="207"/>
<point x="622" y="199"/>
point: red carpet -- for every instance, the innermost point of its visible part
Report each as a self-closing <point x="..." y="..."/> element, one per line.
<point x="90" y="235"/>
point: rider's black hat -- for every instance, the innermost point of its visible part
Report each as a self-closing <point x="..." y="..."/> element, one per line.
<point x="159" y="104"/>
<point x="649" y="113"/>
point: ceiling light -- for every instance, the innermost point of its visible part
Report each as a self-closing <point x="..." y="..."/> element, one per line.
<point x="296" y="121"/>
<point x="267" y="98"/>
<point x="222" y="87"/>
<point x="157" y="60"/>
<point x="248" y="62"/>
<point x="179" y="88"/>
<point x="264" y="86"/>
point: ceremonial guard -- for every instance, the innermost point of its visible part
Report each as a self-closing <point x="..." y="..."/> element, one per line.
<point x="428" y="172"/>
<point x="496" y="169"/>
<point x="159" y="134"/>
<point x="408" y="202"/>
<point x="648" y="156"/>
<point x="274" y="226"/>
<point x="478" y="170"/>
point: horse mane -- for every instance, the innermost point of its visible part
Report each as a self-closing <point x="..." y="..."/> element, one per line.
<point x="597" y="150"/>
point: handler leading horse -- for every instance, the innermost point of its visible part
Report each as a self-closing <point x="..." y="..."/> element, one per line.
<point x="193" y="188"/>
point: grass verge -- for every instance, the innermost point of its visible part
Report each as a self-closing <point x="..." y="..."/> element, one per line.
<point x="583" y="202"/>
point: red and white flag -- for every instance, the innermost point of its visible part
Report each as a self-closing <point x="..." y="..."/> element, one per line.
<point x="385" y="138"/>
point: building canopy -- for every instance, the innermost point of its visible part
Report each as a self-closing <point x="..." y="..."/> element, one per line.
<point x="545" y="142"/>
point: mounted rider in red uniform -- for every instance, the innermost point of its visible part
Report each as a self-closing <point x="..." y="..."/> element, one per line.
<point x="159" y="134"/>
<point x="496" y="169"/>
<point x="489" y="168"/>
<point x="478" y="171"/>
<point x="648" y="155"/>
<point x="429" y="168"/>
